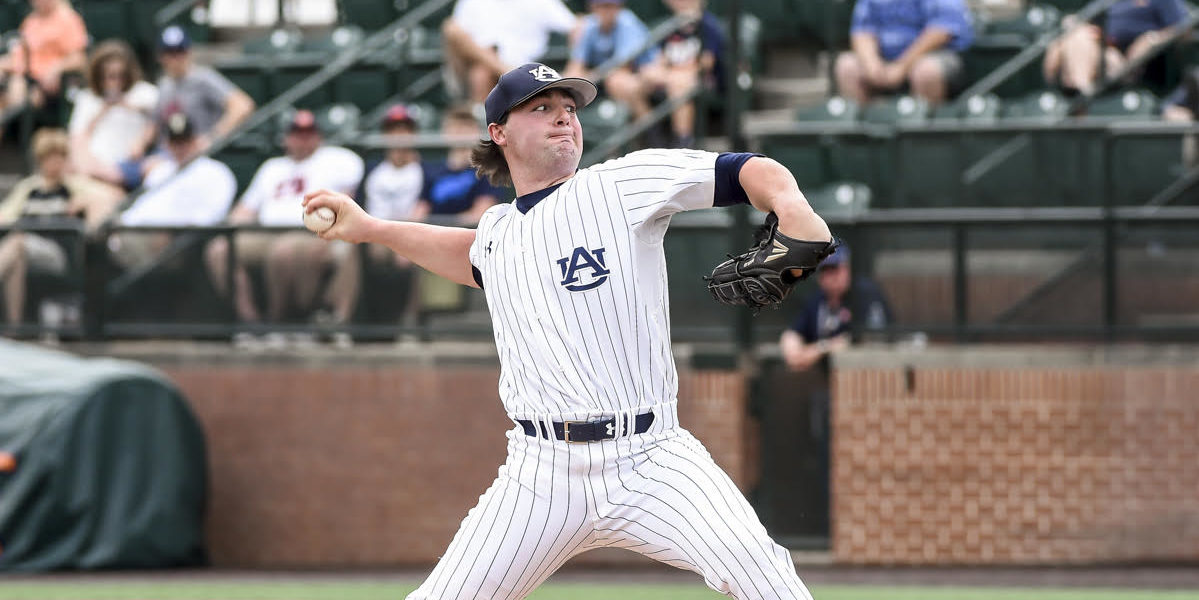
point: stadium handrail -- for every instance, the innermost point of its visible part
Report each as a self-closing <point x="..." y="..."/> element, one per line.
<point x="1109" y="220"/>
<point x="345" y="59"/>
<point x="166" y="14"/>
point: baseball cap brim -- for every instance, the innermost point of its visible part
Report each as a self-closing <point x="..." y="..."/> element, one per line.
<point x="583" y="91"/>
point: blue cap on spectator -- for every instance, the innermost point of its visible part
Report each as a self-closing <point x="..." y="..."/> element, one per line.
<point x="174" y="39"/>
<point x="839" y="257"/>
<point x="527" y="81"/>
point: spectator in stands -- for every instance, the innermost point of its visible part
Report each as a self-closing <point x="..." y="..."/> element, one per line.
<point x="112" y="124"/>
<point x="286" y="257"/>
<point x="211" y="102"/>
<point x="53" y="41"/>
<point x="186" y="189"/>
<point x="392" y="191"/>
<point x="691" y="56"/>
<point x="393" y="187"/>
<point x="826" y="321"/>
<point x="50" y="197"/>
<point x="452" y="186"/>
<point x="905" y="43"/>
<point x="611" y="30"/>
<point x="1131" y="29"/>
<point x="486" y="38"/>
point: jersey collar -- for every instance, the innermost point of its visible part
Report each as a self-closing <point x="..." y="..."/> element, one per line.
<point x="526" y="202"/>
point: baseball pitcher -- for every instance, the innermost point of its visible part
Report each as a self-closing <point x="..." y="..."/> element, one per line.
<point x="575" y="279"/>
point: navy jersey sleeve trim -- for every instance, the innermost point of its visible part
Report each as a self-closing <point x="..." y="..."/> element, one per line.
<point x="728" y="178"/>
<point x="478" y="275"/>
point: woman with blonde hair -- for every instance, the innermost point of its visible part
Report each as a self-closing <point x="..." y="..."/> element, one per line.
<point x="113" y="121"/>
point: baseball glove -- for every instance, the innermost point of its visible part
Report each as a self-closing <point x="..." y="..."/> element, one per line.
<point x="762" y="275"/>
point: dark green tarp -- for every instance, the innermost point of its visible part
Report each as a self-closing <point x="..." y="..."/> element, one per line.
<point x="109" y="465"/>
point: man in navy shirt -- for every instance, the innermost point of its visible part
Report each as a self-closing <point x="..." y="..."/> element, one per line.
<point x="1131" y="29"/>
<point x="825" y="324"/>
<point x="843" y="306"/>
<point x="898" y="43"/>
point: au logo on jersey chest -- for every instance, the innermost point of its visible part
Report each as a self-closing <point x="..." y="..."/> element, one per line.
<point x="584" y="269"/>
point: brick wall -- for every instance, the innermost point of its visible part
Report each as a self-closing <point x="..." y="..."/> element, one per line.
<point x="328" y="461"/>
<point x="1023" y="456"/>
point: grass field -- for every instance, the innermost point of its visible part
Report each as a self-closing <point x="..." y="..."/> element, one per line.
<point x="269" y="590"/>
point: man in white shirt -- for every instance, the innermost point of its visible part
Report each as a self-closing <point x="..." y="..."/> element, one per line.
<point x="184" y="190"/>
<point x="392" y="191"/>
<point x="287" y="256"/>
<point x="486" y="38"/>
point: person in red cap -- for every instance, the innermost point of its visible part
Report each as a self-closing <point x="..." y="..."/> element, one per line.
<point x="288" y="255"/>
<point x="574" y="273"/>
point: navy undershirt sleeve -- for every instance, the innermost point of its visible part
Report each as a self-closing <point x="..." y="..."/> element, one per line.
<point x="478" y="275"/>
<point x="728" y="178"/>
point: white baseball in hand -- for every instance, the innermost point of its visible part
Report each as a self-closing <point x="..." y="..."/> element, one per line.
<point x="320" y="219"/>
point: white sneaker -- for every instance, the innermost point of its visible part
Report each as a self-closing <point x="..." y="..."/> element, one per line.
<point x="342" y="340"/>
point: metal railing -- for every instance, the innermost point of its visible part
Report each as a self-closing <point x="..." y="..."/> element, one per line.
<point x="696" y="242"/>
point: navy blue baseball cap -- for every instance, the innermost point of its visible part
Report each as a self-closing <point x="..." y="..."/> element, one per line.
<point x="839" y="257"/>
<point x="527" y="81"/>
<point x="174" y="39"/>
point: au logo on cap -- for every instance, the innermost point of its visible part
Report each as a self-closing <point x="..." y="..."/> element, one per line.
<point x="544" y="73"/>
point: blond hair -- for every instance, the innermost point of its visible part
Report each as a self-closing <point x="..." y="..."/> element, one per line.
<point x="49" y="141"/>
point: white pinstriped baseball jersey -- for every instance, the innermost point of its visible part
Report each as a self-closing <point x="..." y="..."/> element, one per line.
<point x="576" y="284"/>
<point x="575" y="278"/>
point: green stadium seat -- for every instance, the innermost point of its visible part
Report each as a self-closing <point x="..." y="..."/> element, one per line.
<point x="284" y="77"/>
<point x="365" y="85"/>
<point x="277" y="42"/>
<point x="424" y="46"/>
<point x="1067" y="6"/>
<point x="826" y="21"/>
<point x="1031" y="24"/>
<point x="836" y="108"/>
<point x="427" y="115"/>
<point x="896" y="110"/>
<point x="842" y="199"/>
<point x="650" y="11"/>
<point x="11" y="14"/>
<point x="369" y="15"/>
<point x="777" y="19"/>
<point x="1127" y="105"/>
<point x="601" y="119"/>
<point x="338" y="119"/>
<point x="334" y="41"/>
<point x="985" y="108"/>
<point x="105" y="20"/>
<point x="1043" y="105"/>
<point x="253" y="79"/>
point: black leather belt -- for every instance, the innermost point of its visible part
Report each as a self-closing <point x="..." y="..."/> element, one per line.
<point x="587" y="431"/>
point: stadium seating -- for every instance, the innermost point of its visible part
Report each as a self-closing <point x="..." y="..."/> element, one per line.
<point x="368" y="14"/>
<point x="276" y="43"/>
<point x="841" y="199"/>
<point x="601" y="119"/>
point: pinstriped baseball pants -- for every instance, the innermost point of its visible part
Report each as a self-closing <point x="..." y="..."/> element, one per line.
<point x="658" y="493"/>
